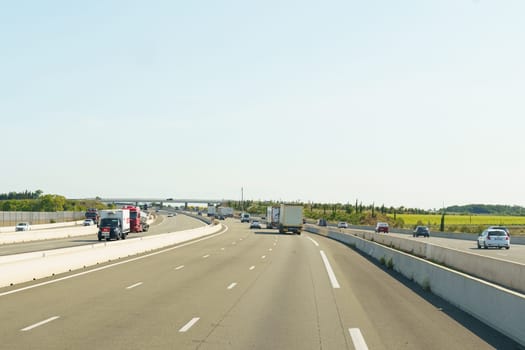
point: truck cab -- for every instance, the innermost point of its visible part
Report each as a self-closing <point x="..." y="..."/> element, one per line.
<point x="110" y="228"/>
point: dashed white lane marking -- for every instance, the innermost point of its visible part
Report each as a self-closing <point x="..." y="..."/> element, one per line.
<point x="51" y="319"/>
<point x="134" y="285"/>
<point x="231" y="286"/>
<point x="179" y="267"/>
<point x="357" y="339"/>
<point x="190" y="324"/>
<point x="206" y="256"/>
<point x="113" y="265"/>
<point x="234" y="243"/>
<point x="270" y="249"/>
<point x="222" y="248"/>
<point x="331" y="273"/>
<point x="263" y="257"/>
<point x="252" y="267"/>
<point x="313" y="241"/>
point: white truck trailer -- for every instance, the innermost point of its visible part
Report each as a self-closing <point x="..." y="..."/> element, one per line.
<point x="114" y="224"/>
<point x="272" y="217"/>
<point x="227" y="212"/>
<point x="290" y="218"/>
<point x="212" y="210"/>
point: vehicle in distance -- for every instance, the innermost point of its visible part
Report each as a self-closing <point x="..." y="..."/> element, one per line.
<point x="221" y="217"/>
<point x="382" y="227"/>
<point x="22" y="226"/>
<point x="342" y="224"/>
<point x="290" y="218"/>
<point x="114" y="224"/>
<point x="255" y="224"/>
<point x="421" y="231"/>
<point x="92" y="213"/>
<point x="89" y="222"/>
<point x="170" y="215"/>
<point x="321" y="222"/>
<point x="494" y="238"/>
<point x="245" y="217"/>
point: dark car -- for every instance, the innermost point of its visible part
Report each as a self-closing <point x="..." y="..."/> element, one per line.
<point x="220" y="217"/>
<point x="321" y="222"/>
<point x="421" y="231"/>
<point x="382" y="227"/>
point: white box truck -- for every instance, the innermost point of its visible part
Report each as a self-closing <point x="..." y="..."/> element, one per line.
<point x="211" y="210"/>
<point x="114" y="224"/>
<point x="272" y="217"/>
<point x="290" y="218"/>
<point x="227" y="212"/>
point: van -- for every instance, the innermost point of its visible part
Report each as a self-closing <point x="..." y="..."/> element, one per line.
<point x="245" y="217"/>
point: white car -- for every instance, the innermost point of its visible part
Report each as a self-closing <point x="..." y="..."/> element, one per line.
<point x="342" y="224"/>
<point x="255" y="224"/>
<point x="89" y="222"/>
<point x="494" y="238"/>
<point x="22" y="226"/>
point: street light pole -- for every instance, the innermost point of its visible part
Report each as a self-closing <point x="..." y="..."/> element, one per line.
<point x="242" y="200"/>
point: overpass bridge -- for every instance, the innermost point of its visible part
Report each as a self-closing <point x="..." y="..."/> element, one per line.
<point x="162" y="201"/>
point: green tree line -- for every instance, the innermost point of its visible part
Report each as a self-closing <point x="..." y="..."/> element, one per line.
<point x="37" y="201"/>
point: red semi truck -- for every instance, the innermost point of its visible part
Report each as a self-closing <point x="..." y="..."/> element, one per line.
<point x="138" y="222"/>
<point x="92" y="213"/>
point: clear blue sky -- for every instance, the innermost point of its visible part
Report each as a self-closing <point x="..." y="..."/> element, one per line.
<point x="414" y="103"/>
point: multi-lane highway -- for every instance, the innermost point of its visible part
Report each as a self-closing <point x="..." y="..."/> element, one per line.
<point x="239" y="289"/>
<point x="515" y="254"/>
<point x="162" y="224"/>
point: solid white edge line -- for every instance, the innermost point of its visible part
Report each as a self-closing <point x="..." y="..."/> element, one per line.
<point x="231" y="286"/>
<point x="357" y="339"/>
<point x="113" y="265"/>
<point x="134" y="285"/>
<point x="313" y="241"/>
<point x="51" y="319"/>
<point x="331" y="273"/>
<point x="190" y="324"/>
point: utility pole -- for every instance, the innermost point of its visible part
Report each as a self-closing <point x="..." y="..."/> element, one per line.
<point x="242" y="200"/>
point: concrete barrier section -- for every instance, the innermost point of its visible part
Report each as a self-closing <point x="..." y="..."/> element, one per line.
<point x="498" y="307"/>
<point x="25" y="267"/>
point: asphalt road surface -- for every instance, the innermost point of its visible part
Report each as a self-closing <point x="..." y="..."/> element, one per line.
<point x="239" y="289"/>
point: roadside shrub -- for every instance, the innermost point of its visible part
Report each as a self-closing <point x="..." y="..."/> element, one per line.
<point x="390" y="264"/>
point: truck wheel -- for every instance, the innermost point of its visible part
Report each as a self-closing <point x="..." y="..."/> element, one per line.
<point x="99" y="239"/>
<point x="123" y="235"/>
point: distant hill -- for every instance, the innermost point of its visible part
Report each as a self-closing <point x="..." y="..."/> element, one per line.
<point x="487" y="209"/>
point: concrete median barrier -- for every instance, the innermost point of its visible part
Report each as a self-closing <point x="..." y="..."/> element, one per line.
<point x="25" y="267"/>
<point x="498" y="307"/>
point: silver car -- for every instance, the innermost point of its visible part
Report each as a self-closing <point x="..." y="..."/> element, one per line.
<point x="494" y="238"/>
<point x="22" y="226"/>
